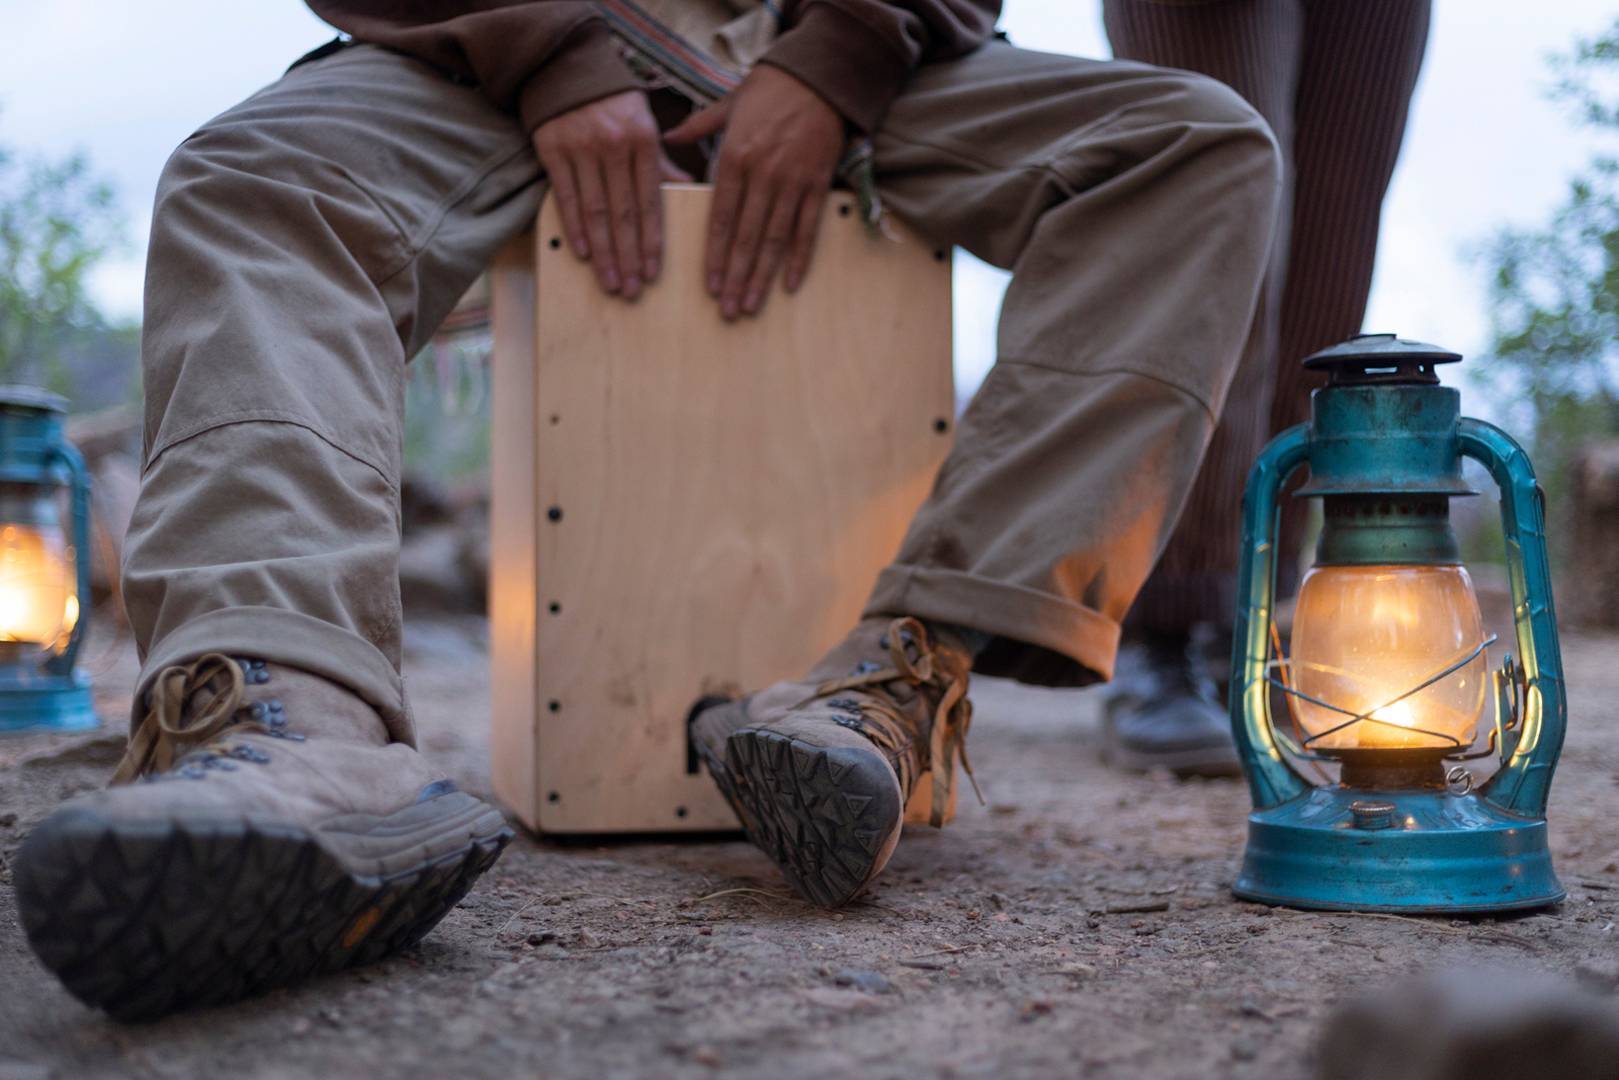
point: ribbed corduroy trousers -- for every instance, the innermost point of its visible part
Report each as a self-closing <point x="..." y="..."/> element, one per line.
<point x="306" y="243"/>
<point x="1334" y="80"/>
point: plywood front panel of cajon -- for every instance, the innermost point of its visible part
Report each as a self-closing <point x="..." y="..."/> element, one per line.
<point x="713" y="501"/>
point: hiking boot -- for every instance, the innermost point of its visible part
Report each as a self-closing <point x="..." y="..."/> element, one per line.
<point x="1162" y="711"/>
<point x="260" y="829"/>
<point x="821" y="771"/>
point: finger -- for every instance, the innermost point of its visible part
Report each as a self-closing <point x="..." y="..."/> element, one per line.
<point x="625" y="223"/>
<point x="748" y="235"/>
<point x="772" y="249"/>
<point x="809" y="225"/>
<point x="700" y="124"/>
<point x="722" y="213"/>
<point x="649" y="201"/>
<point x="597" y="216"/>
<point x="565" y="189"/>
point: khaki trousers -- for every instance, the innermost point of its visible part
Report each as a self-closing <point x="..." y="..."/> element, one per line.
<point x="306" y="244"/>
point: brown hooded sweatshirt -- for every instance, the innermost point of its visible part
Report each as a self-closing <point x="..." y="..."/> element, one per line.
<point x="541" y="58"/>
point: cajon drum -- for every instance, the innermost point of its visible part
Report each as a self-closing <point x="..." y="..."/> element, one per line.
<point x="682" y="506"/>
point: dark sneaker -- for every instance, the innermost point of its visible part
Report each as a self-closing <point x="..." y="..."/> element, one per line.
<point x="1162" y="711"/>
<point x="274" y="832"/>
<point x="821" y="771"/>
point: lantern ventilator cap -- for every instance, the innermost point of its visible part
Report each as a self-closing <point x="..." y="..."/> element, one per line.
<point x="1373" y="359"/>
<point x="31" y="399"/>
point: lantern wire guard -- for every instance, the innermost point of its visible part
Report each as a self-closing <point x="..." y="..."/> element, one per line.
<point x="1300" y="748"/>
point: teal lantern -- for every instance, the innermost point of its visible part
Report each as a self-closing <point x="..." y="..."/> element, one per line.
<point x="44" y="576"/>
<point x="1387" y="677"/>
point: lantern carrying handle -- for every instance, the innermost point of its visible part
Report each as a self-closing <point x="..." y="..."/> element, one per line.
<point x="1522" y="783"/>
<point x="1271" y="779"/>
<point x="62" y="450"/>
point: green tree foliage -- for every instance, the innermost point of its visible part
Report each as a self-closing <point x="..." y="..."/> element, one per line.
<point x="1553" y="366"/>
<point x="57" y="221"/>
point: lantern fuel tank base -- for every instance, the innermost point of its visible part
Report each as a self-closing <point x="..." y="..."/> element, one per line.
<point x="1412" y="852"/>
<point x="46" y="704"/>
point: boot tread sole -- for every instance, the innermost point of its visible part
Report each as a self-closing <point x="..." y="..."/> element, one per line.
<point x="142" y="919"/>
<point x="825" y="815"/>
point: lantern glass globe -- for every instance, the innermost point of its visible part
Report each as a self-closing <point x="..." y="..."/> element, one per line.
<point x="1364" y="635"/>
<point x="37" y="601"/>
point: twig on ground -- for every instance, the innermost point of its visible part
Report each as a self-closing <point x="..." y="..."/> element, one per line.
<point x="517" y="914"/>
<point x="742" y="890"/>
<point x="948" y="950"/>
<point x="1132" y="909"/>
<point x="1474" y="932"/>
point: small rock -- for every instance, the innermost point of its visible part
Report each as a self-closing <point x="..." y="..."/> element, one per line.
<point x="1244" y="1050"/>
<point x="1034" y="1010"/>
<point x="542" y="937"/>
<point x="8" y="819"/>
<point x="301" y="1026"/>
<point x="1493" y="1023"/>
<point x="706" y="1056"/>
<point x="1600" y="975"/>
<point x="871" y="982"/>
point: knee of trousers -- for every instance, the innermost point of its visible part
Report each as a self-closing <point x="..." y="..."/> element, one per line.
<point x="238" y="192"/>
<point x="1182" y="114"/>
<point x="1242" y="131"/>
<point x="262" y="303"/>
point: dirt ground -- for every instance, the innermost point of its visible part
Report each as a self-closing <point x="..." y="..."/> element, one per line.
<point x="1080" y="925"/>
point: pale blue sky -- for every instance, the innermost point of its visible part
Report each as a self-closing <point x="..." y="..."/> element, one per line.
<point x="128" y="81"/>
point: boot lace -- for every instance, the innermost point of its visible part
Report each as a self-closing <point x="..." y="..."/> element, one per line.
<point x="913" y="661"/>
<point x="190" y="704"/>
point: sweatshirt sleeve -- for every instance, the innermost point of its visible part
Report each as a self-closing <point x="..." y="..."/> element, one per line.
<point x="534" y="58"/>
<point x="858" y="54"/>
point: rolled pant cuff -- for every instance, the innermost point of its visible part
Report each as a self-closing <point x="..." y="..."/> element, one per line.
<point x="296" y="640"/>
<point x="1073" y="631"/>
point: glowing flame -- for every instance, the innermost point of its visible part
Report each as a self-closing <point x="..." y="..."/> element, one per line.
<point x="1397" y="713"/>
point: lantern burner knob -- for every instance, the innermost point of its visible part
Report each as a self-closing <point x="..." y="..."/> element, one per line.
<point x="1380" y="360"/>
<point x="1372" y="814"/>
